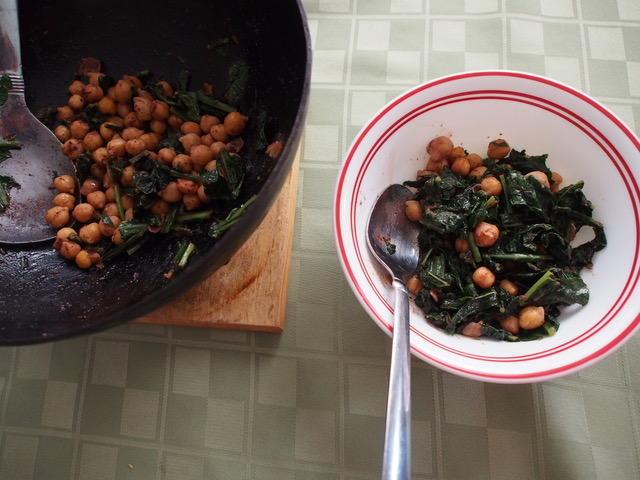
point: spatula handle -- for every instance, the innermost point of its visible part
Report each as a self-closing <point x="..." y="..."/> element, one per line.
<point x="10" y="60"/>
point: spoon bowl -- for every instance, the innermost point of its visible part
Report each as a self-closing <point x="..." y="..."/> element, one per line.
<point x="393" y="240"/>
<point x="40" y="158"/>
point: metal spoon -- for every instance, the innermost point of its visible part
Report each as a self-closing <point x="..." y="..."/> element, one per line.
<point x="393" y="240"/>
<point x="38" y="161"/>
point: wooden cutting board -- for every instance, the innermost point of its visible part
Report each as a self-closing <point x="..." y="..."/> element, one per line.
<point x="250" y="291"/>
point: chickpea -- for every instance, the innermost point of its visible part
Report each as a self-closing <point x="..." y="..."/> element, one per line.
<point x="122" y="91"/>
<point x="57" y="216"/>
<point x="166" y="155"/>
<point x="75" y="87"/>
<point x="107" y="106"/>
<point x="83" y="259"/>
<point x="132" y="119"/>
<point x="556" y="180"/>
<point x="461" y="166"/>
<point x="127" y="176"/>
<point x="65" y="184"/>
<point x="531" y="317"/>
<point x="461" y="245"/>
<point x="92" y="93"/>
<point x="159" y="110"/>
<point x="69" y="249"/>
<point x="110" y="209"/>
<point x="101" y="155"/>
<point x="66" y="233"/>
<point x="171" y="193"/>
<point x="182" y="162"/>
<point x="477" y="172"/>
<point x="135" y="146"/>
<point x="540" y="176"/>
<point x="190" y="127"/>
<point x="202" y="195"/>
<point x="475" y="160"/>
<point x="414" y="285"/>
<point x="158" y="126"/>
<point x="235" y="123"/>
<point x="90" y="233"/>
<point x="212" y="165"/>
<point x="483" y="277"/>
<point x="498" y="148"/>
<point x="108" y="230"/>
<point x="216" y="146"/>
<point x="92" y="141"/>
<point x="208" y="121"/>
<point x="491" y="185"/>
<point x="200" y="155"/>
<point x="187" y="186"/>
<point x="73" y="148"/>
<point x="126" y="201"/>
<point x="108" y="180"/>
<point x="190" y="201"/>
<point x="440" y="147"/>
<point x="511" y="324"/>
<point x="413" y="210"/>
<point x="509" y="286"/>
<point x="65" y="114"/>
<point x="97" y="199"/>
<point x="129" y="133"/>
<point x="64" y="200"/>
<point x="116" y="147"/>
<point x="207" y="139"/>
<point x="76" y="102"/>
<point x="174" y="121"/>
<point x="436" y="165"/>
<point x="62" y="133"/>
<point x="124" y="109"/>
<point x="143" y="108"/>
<point x="456" y="152"/>
<point x="472" y="329"/>
<point x="94" y="77"/>
<point x="83" y="212"/>
<point x="486" y="234"/>
<point x="160" y="207"/>
<point x="89" y="185"/>
<point x="219" y="133"/>
<point x="151" y="140"/>
<point x="116" y="238"/>
<point x="95" y="170"/>
<point x="189" y="140"/>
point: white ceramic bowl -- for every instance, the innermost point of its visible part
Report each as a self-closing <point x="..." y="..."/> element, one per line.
<point x="584" y="140"/>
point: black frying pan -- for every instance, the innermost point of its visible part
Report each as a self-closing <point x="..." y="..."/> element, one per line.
<point x="42" y="296"/>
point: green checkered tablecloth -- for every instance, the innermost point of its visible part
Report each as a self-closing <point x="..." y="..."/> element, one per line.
<point x="174" y="403"/>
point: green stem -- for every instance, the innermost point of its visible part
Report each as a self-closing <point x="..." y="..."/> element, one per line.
<point x="188" y="217"/>
<point x="116" y="191"/>
<point x="505" y="193"/>
<point x="546" y="276"/>
<point x="10" y="144"/>
<point x="519" y="257"/>
<point x="217" y="229"/>
<point x="475" y="251"/>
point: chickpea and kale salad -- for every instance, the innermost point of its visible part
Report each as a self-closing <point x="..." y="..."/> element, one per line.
<point x="497" y="258"/>
<point x="152" y="159"/>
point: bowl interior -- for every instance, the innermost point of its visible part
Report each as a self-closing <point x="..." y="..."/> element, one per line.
<point x="584" y="141"/>
<point x="46" y="298"/>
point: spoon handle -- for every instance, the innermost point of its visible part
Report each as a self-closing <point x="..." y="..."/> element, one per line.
<point x="10" y="60"/>
<point x="397" y="442"/>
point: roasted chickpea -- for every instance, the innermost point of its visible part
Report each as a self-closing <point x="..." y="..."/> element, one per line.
<point x="414" y="285"/>
<point x="190" y="201"/>
<point x="132" y="119"/>
<point x="531" y="317"/>
<point x="89" y="185"/>
<point x="65" y="184"/>
<point x="461" y="245"/>
<point x="166" y="155"/>
<point x="171" y="193"/>
<point x="167" y="89"/>
<point x="64" y="200"/>
<point x="160" y="207"/>
<point x="73" y="148"/>
<point x="200" y="155"/>
<point x="218" y="133"/>
<point x="498" y="149"/>
<point x="461" y="166"/>
<point x="116" y="238"/>
<point x="472" y="329"/>
<point x="65" y="114"/>
<point x="134" y="146"/>
<point x="100" y="155"/>
<point x="122" y="91"/>
<point x="57" y="216"/>
<point x="107" y="106"/>
<point x="76" y="102"/>
<point x="483" y="277"/>
<point x="235" y="123"/>
<point x="187" y="186"/>
<point x="189" y="140"/>
<point x="69" y="249"/>
<point x="92" y="93"/>
<point x="92" y="140"/>
<point x="151" y="140"/>
<point x="143" y="108"/>
<point x="491" y="185"/>
<point x="456" y="152"/>
<point x="83" y="259"/>
<point x="216" y="147"/>
<point x="486" y="234"/>
<point x="75" y="87"/>
<point x="159" y="110"/>
<point x="129" y="133"/>
<point x="208" y="121"/>
<point x="108" y="229"/>
<point x="540" y="176"/>
<point x="182" y="162"/>
<point x="509" y="286"/>
<point x="174" y="121"/>
<point x="477" y="173"/>
<point x="97" y="199"/>
<point x="439" y="148"/>
<point x="202" y="195"/>
<point x="83" y="212"/>
<point x="190" y="127"/>
<point x="413" y="210"/>
<point x="62" y="133"/>
<point x="110" y="209"/>
<point x="475" y="160"/>
<point x="116" y="147"/>
<point x="511" y="324"/>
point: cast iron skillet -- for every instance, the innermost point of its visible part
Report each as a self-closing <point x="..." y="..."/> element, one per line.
<point x="42" y="296"/>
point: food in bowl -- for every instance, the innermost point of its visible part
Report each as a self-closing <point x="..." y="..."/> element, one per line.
<point x="152" y="159"/>
<point x="498" y="252"/>
<point x="545" y="116"/>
